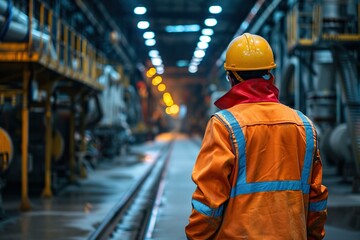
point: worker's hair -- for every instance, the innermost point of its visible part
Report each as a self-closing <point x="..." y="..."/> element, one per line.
<point x="250" y="74"/>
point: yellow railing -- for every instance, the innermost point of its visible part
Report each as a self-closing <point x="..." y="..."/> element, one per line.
<point x="56" y="45"/>
<point x="306" y="24"/>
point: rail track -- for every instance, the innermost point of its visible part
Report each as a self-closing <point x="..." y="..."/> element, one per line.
<point x="134" y="216"/>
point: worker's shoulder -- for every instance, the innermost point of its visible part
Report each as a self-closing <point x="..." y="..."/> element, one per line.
<point x="262" y="113"/>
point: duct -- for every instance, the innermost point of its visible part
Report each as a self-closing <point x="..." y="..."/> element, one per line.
<point x="15" y="28"/>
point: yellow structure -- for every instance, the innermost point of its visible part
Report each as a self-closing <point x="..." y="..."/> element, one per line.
<point x="54" y="55"/>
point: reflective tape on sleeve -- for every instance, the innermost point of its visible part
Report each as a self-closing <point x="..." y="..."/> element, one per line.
<point x="318" y="206"/>
<point x="206" y="210"/>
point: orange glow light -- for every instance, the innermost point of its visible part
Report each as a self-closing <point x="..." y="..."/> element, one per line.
<point x="161" y="87"/>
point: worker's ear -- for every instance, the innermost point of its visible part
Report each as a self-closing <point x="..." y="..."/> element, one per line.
<point x="231" y="79"/>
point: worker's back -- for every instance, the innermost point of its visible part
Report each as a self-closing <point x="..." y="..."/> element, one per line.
<point x="270" y="182"/>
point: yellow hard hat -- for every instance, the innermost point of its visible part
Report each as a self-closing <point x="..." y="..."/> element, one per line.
<point x="249" y="52"/>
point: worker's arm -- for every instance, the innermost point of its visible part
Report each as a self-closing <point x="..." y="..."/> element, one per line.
<point x="318" y="202"/>
<point x="211" y="175"/>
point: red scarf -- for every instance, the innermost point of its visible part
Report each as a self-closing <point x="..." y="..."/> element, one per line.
<point x="249" y="91"/>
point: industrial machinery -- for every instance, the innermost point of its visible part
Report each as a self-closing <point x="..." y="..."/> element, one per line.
<point x="62" y="105"/>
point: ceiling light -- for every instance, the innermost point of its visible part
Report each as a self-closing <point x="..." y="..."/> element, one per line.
<point x="196" y="60"/>
<point x="140" y="10"/>
<point x="143" y="24"/>
<point x="161" y="87"/>
<point x="150" y="42"/>
<point x="215" y="9"/>
<point x="151" y="72"/>
<point x="195" y="63"/>
<point x="207" y="31"/>
<point x="156" y="80"/>
<point x="182" y="28"/>
<point x="156" y="61"/>
<point x="174" y="109"/>
<point x="168" y="111"/>
<point x="199" y="53"/>
<point x="202" y="45"/>
<point x="205" y="39"/>
<point x="193" y="69"/>
<point x="148" y="35"/>
<point x="210" y="22"/>
<point x="160" y="69"/>
<point x="153" y="53"/>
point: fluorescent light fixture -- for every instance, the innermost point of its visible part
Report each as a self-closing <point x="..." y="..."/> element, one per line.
<point x="210" y="22"/>
<point x="150" y="42"/>
<point x="148" y="35"/>
<point x="196" y="60"/>
<point x="156" y="61"/>
<point x="193" y="69"/>
<point x="205" y="38"/>
<point x="182" y="28"/>
<point x="143" y="24"/>
<point x="202" y="45"/>
<point x="194" y="63"/>
<point x="182" y="63"/>
<point x="153" y="53"/>
<point x="215" y="9"/>
<point x="199" y="53"/>
<point x="160" y="69"/>
<point x="140" y="10"/>
<point x="207" y="31"/>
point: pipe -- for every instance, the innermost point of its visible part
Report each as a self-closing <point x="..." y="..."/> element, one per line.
<point x="17" y="15"/>
<point x="16" y="28"/>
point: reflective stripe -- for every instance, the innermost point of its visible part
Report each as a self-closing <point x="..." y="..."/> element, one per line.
<point x="206" y="210"/>
<point x="317" y="206"/>
<point x="308" y="154"/>
<point x="240" y="143"/>
<point x="266" y="187"/>
<point x="242" y="187"/>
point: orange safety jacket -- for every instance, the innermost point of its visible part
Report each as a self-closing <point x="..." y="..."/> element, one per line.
<point x="258" y="172"/>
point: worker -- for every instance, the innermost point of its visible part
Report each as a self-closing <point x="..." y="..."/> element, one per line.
<point x="258" y="173"/>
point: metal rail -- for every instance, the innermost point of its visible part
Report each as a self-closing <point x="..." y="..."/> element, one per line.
<point x="137" y="202"/>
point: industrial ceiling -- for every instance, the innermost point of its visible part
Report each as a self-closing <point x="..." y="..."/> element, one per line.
<point x="112" y="26"/>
